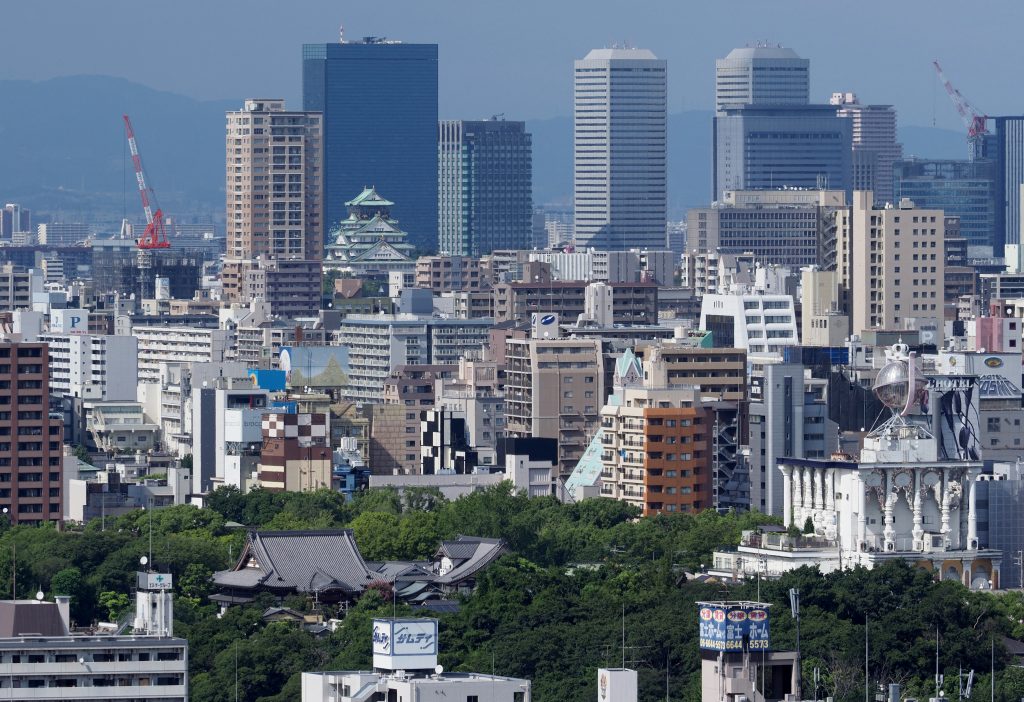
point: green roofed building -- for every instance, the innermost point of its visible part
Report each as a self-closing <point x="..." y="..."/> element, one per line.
<point x="369" y="240"/>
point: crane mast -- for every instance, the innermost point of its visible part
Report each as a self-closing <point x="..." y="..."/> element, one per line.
<point x="155" y="236"/>
<point x="975" y="121"/>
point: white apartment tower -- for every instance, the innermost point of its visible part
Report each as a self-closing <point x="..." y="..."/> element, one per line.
<point x="875" y="148"/>
<point x="761" y="75"/>
<point x="619" y="149"/>
<point x="274" y="188"/>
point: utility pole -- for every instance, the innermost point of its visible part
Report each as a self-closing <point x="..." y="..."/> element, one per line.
<point x="867" y="677"/>
<point x="794" y="607"/>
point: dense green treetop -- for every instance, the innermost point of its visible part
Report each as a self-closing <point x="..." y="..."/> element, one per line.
<point x="552" y="610"/>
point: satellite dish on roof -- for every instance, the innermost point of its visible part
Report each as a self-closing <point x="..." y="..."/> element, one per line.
<point x="39" y="596"/>
<point x="144" y="560"/>
<point x="438" y="669"/>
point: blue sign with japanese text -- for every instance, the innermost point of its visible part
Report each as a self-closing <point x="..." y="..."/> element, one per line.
<point x="733" y="626"/>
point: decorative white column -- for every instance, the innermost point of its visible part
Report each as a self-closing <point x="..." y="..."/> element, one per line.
<point x="862" y="517"/>
<point x="787" y="495"/>
<point x="830" y="489"/>
<point x="819" y="488"/>
<point x="970" y="483"/>
<point x="798" y="496"/>
<point x="888" y="518"/>
<point x="918" y="530"/>
<point x="808" y="495"/>
<point x="945" y="504"/>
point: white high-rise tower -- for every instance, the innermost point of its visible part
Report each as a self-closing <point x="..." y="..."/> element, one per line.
<point x="620" y="139"/>
<point x="761" y="75"/>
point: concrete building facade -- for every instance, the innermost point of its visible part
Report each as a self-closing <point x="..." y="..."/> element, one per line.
<point x="296" y="454"/>
<point x="274" y="186"/>
<point x="31" y="440"/>
<point x="875" y="148"/>
<point x="897" y="269"/>
<point x="619" y="149"/>
<point x="655" y="443"/>
<point x="554" y="388"/>
<point x="787" y="227"/>
<point x="93" y="367"/>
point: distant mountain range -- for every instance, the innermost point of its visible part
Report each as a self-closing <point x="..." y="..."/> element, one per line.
<point x="63" y="150"/>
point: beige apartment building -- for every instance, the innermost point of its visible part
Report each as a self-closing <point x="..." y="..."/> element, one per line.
<point x="895" y="266"/>
<point x="443" y="274"/>
<point x="719" y="373"/>
<point x="554" y="388"/>
<point x="274" y="187"/>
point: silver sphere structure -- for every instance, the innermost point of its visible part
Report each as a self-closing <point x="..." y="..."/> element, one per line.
<point x="892" y="385"/>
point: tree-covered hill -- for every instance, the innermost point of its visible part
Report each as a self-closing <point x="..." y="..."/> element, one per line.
<point x="578" y="582"/>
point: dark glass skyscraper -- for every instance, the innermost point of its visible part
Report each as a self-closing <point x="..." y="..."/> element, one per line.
<point x="485" y="197"/>
<point x="1004" y="144"/>
<point x="965" y="189"/>
<point x="379" y="101"/>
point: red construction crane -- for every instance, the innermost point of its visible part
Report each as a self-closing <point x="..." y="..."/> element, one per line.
<point x="973" y="120"/>
<point x="155" y="237"/>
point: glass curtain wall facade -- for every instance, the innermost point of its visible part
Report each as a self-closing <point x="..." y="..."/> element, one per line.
<point x="965" y="189"/>
<point x="485" y="177"/>
<point x="379" y="103"/>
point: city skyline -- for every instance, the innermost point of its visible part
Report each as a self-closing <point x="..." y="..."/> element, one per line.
<point x="503" y="75"/>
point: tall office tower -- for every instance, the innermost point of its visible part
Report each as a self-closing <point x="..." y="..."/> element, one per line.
<point x="14" y="218"/>
<point x="966" y="189"/>
<point x="896" y="265"/>
<point x="766" y="134"/>
<point x="379" y="101"/>
<point x="761" y="75"/>
<point x="875" y="148"/>
<point x="1004" y="144"/>
<point x="620" y="139"/>
<point x="274" y="189"/>
<point x="485" y="176"/>
<point x="31" y="450"/>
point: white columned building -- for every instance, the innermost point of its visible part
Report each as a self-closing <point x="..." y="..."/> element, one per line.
<point x="900" y="500"/>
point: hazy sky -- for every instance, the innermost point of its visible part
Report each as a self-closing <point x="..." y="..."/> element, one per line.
<point x="516" y="56"/>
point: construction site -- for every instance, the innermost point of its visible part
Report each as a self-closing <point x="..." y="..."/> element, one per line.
<point x="130" y="265"/>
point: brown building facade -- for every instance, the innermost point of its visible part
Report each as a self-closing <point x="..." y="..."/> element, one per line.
<point x="296" y="456"/>
<point x="31" y="446"/>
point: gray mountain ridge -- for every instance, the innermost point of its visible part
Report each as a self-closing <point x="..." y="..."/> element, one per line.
<point x="65" y="153"/>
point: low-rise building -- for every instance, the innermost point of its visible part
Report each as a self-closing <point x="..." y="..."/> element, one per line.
<point x="441" y="274"/>
<point x="118" y="427"/>
<point x="42" y="660"/>
<point x="291" y="288"/>
<point x="295" y="456"/>
<point x="405" y="668"/>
